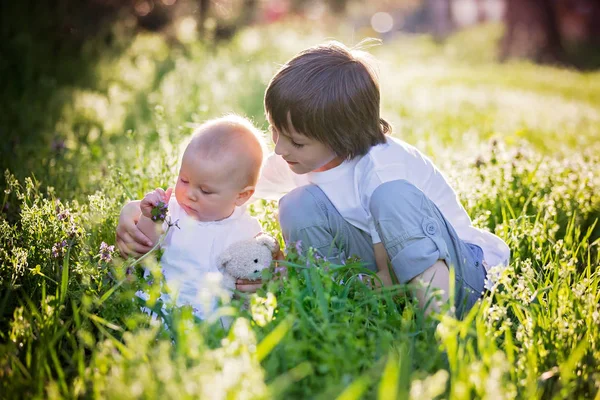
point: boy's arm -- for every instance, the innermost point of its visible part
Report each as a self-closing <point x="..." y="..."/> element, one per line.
<point x="435" y="279"/>
<point x="152" y="229"/>
<point x="129" y="239"/>
<point x="381" y="260"/>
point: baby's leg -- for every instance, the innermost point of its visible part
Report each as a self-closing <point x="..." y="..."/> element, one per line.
<point x="416" y="235"/>
<point x="307" y="214"/>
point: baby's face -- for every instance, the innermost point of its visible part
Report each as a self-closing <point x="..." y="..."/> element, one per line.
<point x="206" y="189"/>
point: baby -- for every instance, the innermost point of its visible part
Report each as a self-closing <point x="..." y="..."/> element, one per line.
<point x="218" y="174"/>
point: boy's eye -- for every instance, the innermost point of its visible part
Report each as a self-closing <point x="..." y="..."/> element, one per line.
<point x="297" y="145"/>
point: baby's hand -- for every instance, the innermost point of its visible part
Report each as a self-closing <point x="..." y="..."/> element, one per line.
<point x="153" y="200"/>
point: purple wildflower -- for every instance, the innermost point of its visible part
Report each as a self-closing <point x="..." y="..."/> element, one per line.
<point x="298" y="246"/>
<point x="72" y="229"/>
<point x="106" y="252"/>
<point x="159" y="212"/>
<point x="58" y="144"/>
<point x="63" y="215"/>
<point x="280" y="269"/>
<point x="59" y="249"/>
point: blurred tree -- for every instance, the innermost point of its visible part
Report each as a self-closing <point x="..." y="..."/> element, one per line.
<point x="439" y="13"/>
<point x="553" y="31"/>
<point x="338" y="6"/>
<point x="531" y="31"/>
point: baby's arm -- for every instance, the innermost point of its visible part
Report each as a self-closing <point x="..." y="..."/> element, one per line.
<point x="149" y="225"/>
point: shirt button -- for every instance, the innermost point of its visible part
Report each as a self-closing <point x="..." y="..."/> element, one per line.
<point x="430" y="228"/>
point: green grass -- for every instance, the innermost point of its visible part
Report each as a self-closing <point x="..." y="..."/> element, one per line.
<point x="517" y="141"/>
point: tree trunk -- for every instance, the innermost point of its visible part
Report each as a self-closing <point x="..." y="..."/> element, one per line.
<point x="531" y="31"/>
<point x="439" y="14"/>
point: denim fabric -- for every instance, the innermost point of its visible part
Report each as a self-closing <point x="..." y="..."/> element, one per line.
<point x="411" y="227"/>
<point x="306" y="214"/>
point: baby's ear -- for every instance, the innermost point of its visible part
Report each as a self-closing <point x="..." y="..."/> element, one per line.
<point x="222" y="260"/>
<point x="267" y="241"/>
<point x="244" y="195"/>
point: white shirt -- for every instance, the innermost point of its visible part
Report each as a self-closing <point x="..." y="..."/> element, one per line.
<point x="350" y="185"/>
<point x="191" y="251"/>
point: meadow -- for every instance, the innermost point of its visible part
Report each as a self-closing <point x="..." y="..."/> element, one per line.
<point x="519" y="142"/>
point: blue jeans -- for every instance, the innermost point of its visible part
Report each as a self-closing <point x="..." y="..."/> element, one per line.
<point x="411" y="227"/>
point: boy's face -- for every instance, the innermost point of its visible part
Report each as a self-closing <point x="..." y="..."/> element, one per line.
<point x="206" y="189"/>
<point x="303" y="154"/>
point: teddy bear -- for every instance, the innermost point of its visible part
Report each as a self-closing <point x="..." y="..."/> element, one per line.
<point x="246" y="259"/>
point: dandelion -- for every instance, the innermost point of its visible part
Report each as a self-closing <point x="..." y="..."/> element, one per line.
<point x="106" y="252"/>
<point x="59" y="249"/>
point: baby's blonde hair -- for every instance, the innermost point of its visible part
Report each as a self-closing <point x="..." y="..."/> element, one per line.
<point x="231" y="138"/>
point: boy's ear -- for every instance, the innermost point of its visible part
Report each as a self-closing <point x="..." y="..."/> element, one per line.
<point x="244" y="195"/>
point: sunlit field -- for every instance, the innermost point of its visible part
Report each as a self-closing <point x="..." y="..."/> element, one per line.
<point x="520" y="143"/>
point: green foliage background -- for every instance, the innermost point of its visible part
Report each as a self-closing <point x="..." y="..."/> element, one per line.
<point x="519" y="143"/>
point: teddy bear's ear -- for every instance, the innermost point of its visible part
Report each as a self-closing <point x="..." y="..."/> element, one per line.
<point x="267" y="241"/>
<point x="222" y="260"/>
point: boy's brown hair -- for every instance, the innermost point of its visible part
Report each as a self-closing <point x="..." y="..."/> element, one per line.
<point x="331" y="94"/>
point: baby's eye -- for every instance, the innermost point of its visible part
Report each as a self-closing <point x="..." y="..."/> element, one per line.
<point x="297" y="145"/>
<point x="204" y="191"/>
<point x="183" y="180"/>
<point x="256" y="261"/>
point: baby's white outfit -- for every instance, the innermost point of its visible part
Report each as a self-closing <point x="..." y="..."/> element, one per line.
<point x="191" y="249"/>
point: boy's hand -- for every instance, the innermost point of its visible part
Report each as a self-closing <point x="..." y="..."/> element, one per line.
<point x="152" y="199"/>
<point x="130" y="240"/>
<point x="248" y="286"/>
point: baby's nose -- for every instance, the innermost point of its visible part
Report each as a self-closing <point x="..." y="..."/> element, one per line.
<point x="191" y="195"/>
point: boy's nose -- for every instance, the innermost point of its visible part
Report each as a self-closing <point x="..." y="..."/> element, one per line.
<point x="279" y="149"/>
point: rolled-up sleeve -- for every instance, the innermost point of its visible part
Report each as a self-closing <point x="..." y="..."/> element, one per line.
<point x="417" y="250"/>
